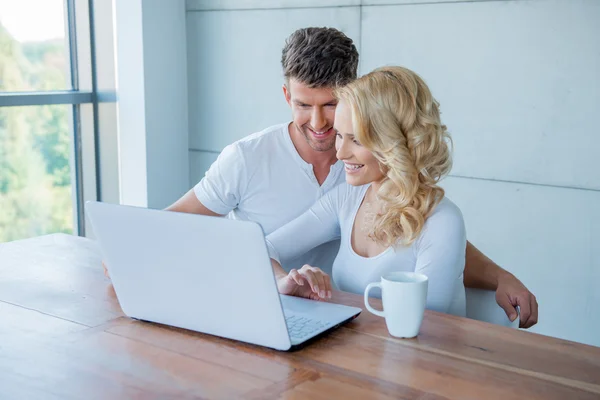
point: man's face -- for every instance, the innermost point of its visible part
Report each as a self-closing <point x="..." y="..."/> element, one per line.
<point x="313" y="111"/>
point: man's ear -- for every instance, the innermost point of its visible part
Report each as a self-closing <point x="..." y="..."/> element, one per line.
<point x="287" y="94"/>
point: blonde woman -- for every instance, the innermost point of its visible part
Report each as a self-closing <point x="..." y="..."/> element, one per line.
<point x="390" y="215"/>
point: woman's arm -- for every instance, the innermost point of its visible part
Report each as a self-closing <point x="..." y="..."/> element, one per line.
<point x="318" y="225"/>
<point x="441" y="255"/>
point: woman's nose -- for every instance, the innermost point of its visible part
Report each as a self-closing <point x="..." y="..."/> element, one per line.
<point x="342" y="150"/>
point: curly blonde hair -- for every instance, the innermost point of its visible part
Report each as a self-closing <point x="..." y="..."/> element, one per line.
<point x="395" y="116"/>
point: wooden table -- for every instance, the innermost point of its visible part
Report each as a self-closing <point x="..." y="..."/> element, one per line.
<point x="63" y="335"/>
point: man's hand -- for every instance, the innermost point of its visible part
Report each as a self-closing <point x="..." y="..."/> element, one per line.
<point x="309" y="282"/>
<point x="483" y="273"/>
<point x="512" y="293"/>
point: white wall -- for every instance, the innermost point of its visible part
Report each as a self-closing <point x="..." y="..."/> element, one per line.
<point x="518" y="83"/>
<point x="235" y="78"/>
<point x="151" y="69"/>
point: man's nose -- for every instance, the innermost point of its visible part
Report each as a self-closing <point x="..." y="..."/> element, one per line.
<point x="318" y="121"/>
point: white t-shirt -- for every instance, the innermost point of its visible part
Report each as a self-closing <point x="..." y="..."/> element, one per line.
<point x="438" y="252"/>
<point x="262" y="178"/>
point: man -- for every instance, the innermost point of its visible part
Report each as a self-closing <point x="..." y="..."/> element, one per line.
<point x="273" y="176"/>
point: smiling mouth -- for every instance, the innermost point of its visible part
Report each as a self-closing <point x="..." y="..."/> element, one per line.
<point x="352" y="168"/>
<point x="321" y="134"/>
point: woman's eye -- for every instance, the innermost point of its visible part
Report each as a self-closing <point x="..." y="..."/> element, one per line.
<point x="356" y="142"/>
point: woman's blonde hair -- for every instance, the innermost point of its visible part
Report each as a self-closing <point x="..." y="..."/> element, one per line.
<point x="395" y="116"/>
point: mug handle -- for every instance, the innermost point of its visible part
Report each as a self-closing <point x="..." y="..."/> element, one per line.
<point x="367" y="290"/>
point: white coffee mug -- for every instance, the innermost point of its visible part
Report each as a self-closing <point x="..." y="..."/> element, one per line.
<point x="404" y="295"/>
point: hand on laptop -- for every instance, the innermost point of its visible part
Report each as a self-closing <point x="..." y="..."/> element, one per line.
<point x="309" y="282"/>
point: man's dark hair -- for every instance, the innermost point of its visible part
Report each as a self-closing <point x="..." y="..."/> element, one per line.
<point x="319" y="57"/>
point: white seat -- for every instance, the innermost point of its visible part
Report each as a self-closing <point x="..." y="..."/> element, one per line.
<point x="482" y="306"/>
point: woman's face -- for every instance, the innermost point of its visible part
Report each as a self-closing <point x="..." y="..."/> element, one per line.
<point x="360" y="164"/>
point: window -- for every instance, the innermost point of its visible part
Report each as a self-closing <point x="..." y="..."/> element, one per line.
<point x="34" y="46"/>
<point x="35" y="171"/>
<point x="47" y="117"/>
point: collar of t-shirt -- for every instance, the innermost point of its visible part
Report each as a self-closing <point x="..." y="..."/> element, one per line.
<point x="334" y="171"/>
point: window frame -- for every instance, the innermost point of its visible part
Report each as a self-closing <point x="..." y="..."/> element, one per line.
<point x="84" y="99"/>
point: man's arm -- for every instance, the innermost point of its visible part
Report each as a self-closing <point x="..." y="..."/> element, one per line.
<point x="189" y="203"/>
<point x="483" y="273"/>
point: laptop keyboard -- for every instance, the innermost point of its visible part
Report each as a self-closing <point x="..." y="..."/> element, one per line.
<point x="301" y="328"/>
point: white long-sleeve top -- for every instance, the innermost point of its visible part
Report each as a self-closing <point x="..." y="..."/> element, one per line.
<point x="438" y="252"/>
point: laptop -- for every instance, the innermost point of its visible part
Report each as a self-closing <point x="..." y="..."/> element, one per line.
<point x="207" y="274"/>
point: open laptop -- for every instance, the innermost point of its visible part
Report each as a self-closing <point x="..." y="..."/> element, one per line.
<point x="207" y="274"/>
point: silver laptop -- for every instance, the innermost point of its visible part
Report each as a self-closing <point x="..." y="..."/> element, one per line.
<point x="207" y="274"/>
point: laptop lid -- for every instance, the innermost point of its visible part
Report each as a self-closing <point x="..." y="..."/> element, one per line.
<point x="191" y="271"/>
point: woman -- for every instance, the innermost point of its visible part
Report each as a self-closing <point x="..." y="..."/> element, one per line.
<point x="391" y="215"/>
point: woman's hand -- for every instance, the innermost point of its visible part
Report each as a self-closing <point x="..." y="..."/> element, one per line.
<point x="309" y="282"/>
